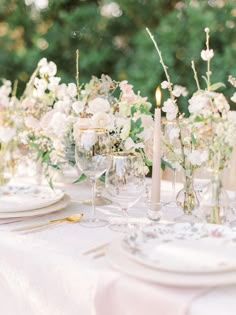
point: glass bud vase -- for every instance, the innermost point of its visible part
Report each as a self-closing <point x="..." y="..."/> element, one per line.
<point x="187" y="200"/>
<point x="215" y="200"/>
<point x="7" y="164"/>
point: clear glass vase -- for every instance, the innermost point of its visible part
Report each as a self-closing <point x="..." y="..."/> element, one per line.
<point x="215" y="200"/>
<point x="187" y="200"/>
<point x="7" y="164"/>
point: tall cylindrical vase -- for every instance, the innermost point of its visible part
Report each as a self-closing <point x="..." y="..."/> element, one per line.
<point x="215" y="200"/>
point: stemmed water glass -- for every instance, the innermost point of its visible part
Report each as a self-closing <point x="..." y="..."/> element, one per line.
<point x="92" y="148"/>
<point x="125" y="184"/>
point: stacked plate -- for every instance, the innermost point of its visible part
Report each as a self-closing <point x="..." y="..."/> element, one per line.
<point x="20" y="201"/>
<point x="183" y="254"/>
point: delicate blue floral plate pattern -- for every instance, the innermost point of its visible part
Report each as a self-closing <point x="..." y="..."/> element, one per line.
<point x="184" y="247"/>
<point x="17" y="198"/>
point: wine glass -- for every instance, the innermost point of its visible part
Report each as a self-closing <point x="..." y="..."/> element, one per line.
<point x="125" y="183"/>
<point x="92" y="148"/>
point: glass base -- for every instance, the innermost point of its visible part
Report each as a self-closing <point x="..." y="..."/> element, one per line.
<point x="189" y="218"/>
<point x="123" y="227"/>
<point x="232" y="224"/>
<point x="93" y="223"/>
<point x="99" y="201"/>
<point x="171" y="204"/>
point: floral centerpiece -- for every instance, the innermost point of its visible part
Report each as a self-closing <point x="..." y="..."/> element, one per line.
<point x="10" y="128"/>
<point x="104" y="103"/>
<point x="54" y="111"/>
<point x="46" y="104"/>
<point x="204" y="137"/>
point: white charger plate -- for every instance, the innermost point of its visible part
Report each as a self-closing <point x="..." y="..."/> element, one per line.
<point x="61" y="204"/>
<point x="17" y="198"/>
<point x="184" y="248"/>
<point x="119" y="260"/>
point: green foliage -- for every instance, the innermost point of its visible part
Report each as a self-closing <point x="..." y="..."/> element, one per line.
<point x="119" y="46"/>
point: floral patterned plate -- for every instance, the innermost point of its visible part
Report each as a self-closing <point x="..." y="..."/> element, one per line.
<point x="14" y="198"/>
<point x="184" y="248"/>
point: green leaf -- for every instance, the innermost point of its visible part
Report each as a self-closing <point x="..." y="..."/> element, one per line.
<point x="133" y="110"/>
<point x="193" y="139"/>
<point x="197" y="119"/>
<point x="216" y="86"/>
<point x="102" y="178"/>
<point x="45" y="156"/>
<point x="80" y="179"/>
<point x="205" y="79"/>
<point x="165" y="163"/>
<point x="138" y="123"/>
<point x="148" y="163"/>
<point x="39" y="155"/>
<point x="51" y="183"/>
<point x="33" y="145"/>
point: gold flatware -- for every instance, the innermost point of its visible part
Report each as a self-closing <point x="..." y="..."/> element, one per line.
<point x="95" y="249"/>
<point x="72" y="219"/>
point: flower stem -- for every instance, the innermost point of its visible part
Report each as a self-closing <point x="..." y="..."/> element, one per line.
<point x="195" y="76"/>
<point x="162" y="63"/>
<point x="208" y="61"/>
<point x="77" y="70"/>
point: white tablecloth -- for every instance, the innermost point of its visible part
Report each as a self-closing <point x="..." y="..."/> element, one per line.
<point x="46" y="273"/>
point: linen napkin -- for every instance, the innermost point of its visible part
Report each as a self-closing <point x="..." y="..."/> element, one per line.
<point x="118" y="294"/>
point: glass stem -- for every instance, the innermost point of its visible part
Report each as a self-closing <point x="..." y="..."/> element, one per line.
<point x="174" y="184"/>
<point x="126" y="215"/>
<point x="93" y="198"/>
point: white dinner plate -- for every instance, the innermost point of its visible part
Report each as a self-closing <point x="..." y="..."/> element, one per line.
<point x="61" y="204"/>
<point x="119" y="260"/>
<point x="17" y="198"/>
<point x="184" y="248"/>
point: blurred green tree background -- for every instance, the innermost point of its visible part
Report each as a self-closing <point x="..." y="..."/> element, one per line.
<point x="112" y="39"/>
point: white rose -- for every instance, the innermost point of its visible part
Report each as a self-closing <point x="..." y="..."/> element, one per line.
<point x="7" y="134"/>
<point x="98" y="104"/>
<point x="103" y="120"/>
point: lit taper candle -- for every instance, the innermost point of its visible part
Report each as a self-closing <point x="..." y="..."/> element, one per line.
<point x="156" y="162"/>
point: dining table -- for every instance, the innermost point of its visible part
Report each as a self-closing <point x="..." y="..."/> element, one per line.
<point x="67" y="269"/>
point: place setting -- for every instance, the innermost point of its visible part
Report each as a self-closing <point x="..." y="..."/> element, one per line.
<point x="22" y="202"/>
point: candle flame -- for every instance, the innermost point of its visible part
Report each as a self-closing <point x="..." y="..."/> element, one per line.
<point x="158" y="96"/>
